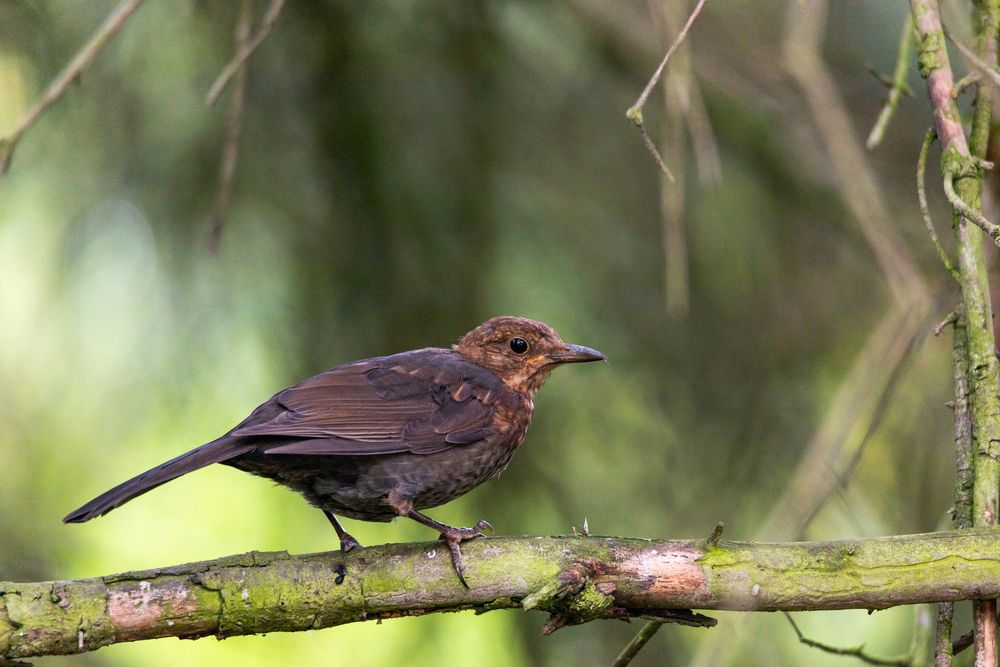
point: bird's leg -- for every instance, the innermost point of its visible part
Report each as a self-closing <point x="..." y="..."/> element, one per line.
<point x="347" y="541"/>
<point x="453" y="537"/>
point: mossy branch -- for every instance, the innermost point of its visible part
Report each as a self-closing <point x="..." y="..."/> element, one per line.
<point x="575" y="579"/>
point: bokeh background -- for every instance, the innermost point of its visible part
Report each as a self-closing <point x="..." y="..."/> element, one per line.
<point x="409" y="169"/>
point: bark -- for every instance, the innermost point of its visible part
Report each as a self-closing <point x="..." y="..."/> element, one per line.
<point x="576" y="579"/>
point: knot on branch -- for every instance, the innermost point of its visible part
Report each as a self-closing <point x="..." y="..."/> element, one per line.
<point x="573" y="598"/>
<point x="960" y="166"/>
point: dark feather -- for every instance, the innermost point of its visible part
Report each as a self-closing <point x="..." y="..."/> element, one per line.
<point x="420" y="402"/>
<point x="216" y="451"/>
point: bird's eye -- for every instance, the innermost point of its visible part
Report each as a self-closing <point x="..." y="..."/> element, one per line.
<point x="518" y="345"/>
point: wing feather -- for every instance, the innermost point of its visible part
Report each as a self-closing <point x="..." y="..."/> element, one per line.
<point x="420" y="402"/>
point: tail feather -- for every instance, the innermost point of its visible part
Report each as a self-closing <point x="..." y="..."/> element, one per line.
<point x="213" y="452"/>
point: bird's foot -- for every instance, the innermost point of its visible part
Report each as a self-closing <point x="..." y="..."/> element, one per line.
<point x="347" y="543"/>
<point x="454" y="536"/>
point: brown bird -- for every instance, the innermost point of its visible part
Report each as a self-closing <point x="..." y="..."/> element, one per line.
<point x="388" y="436"/>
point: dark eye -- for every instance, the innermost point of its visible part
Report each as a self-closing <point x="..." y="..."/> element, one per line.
<point x="518" y="345"/>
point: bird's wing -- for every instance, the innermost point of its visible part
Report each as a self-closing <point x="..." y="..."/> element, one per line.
<point x="419" y="402"/>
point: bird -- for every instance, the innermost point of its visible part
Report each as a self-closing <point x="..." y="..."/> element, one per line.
<point x="388" y="436"/>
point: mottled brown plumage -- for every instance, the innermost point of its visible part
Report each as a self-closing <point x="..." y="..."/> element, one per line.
<point x="388" y="436"/>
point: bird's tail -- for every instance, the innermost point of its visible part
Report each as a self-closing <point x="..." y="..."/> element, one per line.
<point x="213" y="452"/>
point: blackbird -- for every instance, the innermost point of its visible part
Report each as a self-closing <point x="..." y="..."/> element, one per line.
<point x="388" y="436"/>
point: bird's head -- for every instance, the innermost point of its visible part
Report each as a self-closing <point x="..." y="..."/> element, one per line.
<point x="521" y="352"/>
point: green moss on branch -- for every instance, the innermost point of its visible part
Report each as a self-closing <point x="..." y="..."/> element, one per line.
<point x="575" y="579"/>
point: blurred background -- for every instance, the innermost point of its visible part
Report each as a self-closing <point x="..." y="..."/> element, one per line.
<point x="409" y="169"/>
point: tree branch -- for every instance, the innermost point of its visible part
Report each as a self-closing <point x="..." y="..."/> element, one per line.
<point x="961" y="162"/>
<point x="853" y="651"/>
<point x="234" y="127"/>
<point x="576" y="579"/>
<point x="634" y="112"/>
<point x="112" y="24"/>
<point x="230" y="70"/>
<point x="897" y="86"/>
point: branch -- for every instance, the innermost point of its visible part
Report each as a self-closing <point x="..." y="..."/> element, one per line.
<point x="230" y="70"/>
<point x="234" y="126"/>
<point x="966" y="211"/>
<point x="961" y="163"/>
<point x="974" y="60"/>
<point x="633" y="647"/>
<point x="897" y="86"/>
<point x="112" y="24"/>
<point x="805" y="28"/>
<point x="854" y="651"/>
<point x="634" y="112"/>
<point x="925" y="210"/>
<point x="576" y="579"/>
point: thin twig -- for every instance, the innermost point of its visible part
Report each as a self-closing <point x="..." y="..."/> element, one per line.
<point x="881" y="78"/>
<point x="856" y="651"/>
<point x="270" y="18"/>
<point x="234" y="127"/>
<point x="966" y="211"/>
<point x="703" y="142"/>
<point x="950" y="318"/>
<point x="71" y="73"/>
<point x="898" y="85"/>
<point x="633" y="647"/>
<point x="962" y="643"/>
<point x="925" y="210"/>
<point x="716" y="535"/>
<point x="973" y="59"/>
<point x="805" y="29"/>
<point x="648" y="140"/>
<point x="634" y="112"/>
<point x="964" y="83"/>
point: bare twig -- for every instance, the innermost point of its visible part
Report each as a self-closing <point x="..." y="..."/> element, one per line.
<point x="111" y="26"/>
<point x="703" y="143"/>
<point x="973" y="59"/>
<point x="716" y="535"/>
<point x="634" y="112"/>
<point x="633" y="647"/>
<point x="234" y="126"/>
<point x="270" y="18"/>
<point x="965" y="83"/>
<point x="805" y="29"/>
<point x="855" y="651"/>
<point x="668" y="16"/>
<point x="962" y="643"/>
<point x="648" y="140"/>
<point x="881" y="78"/>
<point x="950" y="318"/>
<point x="966" y="211"/>
<point x="925" y="210"/>
<point x="897" y="86"/>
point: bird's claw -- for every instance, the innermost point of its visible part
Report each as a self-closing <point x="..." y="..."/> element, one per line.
<point x="453" y="537"/>
<point x="347" y="543"/>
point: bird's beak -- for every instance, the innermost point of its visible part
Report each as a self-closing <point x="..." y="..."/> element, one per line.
<point x="574" y="354"/>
